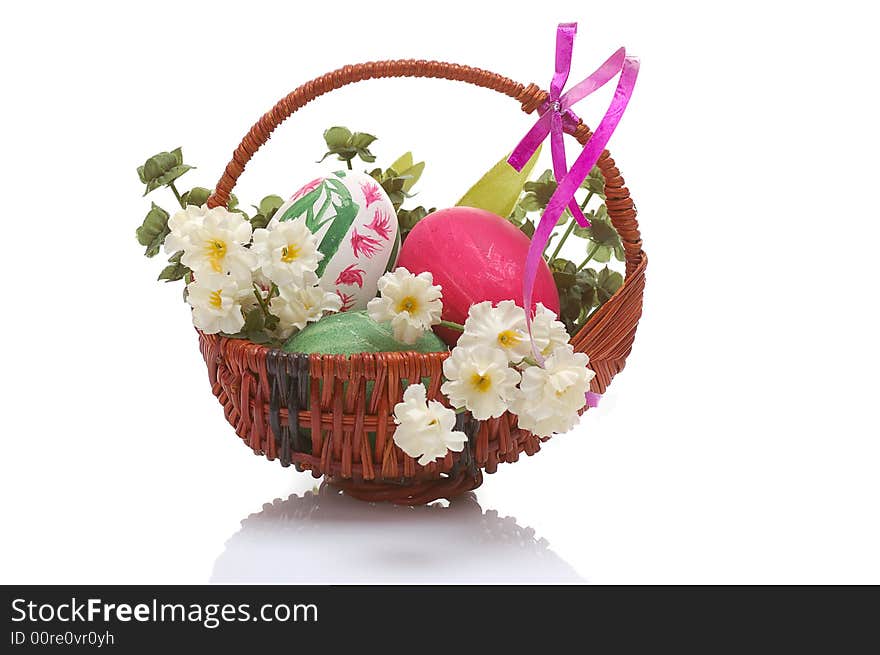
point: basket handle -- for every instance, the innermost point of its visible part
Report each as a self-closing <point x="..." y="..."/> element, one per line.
<point x="620" y="207"/>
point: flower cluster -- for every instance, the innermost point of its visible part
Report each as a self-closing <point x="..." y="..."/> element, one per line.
<point x="236" y="269"/>
<point x="411" y="303"/>
<point x="425" y="428"/>
<point x="490" y="371"/>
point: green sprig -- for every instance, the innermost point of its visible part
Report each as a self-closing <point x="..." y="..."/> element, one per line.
<point x="347" y="145"/>
<point x="162" y="169"/>
<point x="153" y="230"/>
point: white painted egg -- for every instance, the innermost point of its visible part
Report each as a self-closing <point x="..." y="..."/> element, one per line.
<point x="357" y="231"/>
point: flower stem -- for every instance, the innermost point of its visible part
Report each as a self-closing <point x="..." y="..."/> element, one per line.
<point x="264" y="304"/>
<point x="176" y="194"/>
<point x="348" y="163"/>
<point x="549" y="241"/>
<point x="452" y="325"/>
<point x="586" y="201"/>
<point x="568" y="231"/>
<point x="590" y="255"/>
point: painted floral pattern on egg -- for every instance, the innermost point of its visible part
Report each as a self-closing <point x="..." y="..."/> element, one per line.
<point x="357" y="231"/>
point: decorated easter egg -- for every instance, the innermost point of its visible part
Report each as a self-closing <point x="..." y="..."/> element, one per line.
<point x="474" y="255"/>
<point x="357" y="232"/>
<point x="355" y="332"/>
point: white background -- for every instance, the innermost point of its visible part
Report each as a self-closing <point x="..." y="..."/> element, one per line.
<point x="740" y="445"/>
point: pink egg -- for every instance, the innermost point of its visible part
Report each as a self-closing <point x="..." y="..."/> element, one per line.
<point x="474" y="255"/>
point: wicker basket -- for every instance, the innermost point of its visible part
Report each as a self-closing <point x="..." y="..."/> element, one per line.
<point x="317" y="411"/>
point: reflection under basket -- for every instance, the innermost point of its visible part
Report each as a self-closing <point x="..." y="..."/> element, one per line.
<point x="326" y="530"/>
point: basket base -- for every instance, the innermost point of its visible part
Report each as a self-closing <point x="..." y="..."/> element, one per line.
<point x="421" y="493"/>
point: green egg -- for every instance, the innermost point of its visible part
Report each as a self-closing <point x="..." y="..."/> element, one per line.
<point x="349" y="333"/>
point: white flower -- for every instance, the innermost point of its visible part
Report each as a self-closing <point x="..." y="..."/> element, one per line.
<point x="548" y="333"/>
<point x="549" y="398"/>
<point x="425" y="428"/>
<point x="182" y="225"/>
<point x="287" y="253"/>
<point x="295" y="307"/>
<point x="502" y="327"/>
<point x="217" y="245"/>
<point x="479" y="379"/>
<point x="216" y="300"/>
<point x="411" y="302"/>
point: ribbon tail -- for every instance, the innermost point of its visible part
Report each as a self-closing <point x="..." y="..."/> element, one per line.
<point x="565" y="33"/>
<point x="560" y="166"/>
<point x="596" y="80"/>
<point x="578" y="213"/>
<point x="530" y="142"/>
<point x="533" y="258"/>
<point x="566" y="187"/>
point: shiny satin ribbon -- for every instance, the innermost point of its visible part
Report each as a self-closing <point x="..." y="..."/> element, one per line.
<point x="556" y="118"/>
<point x="556" y="114"/>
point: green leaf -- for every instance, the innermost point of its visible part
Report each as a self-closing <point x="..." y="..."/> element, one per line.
<point x="157" y="165"/>
<point x="564" y="273"/>
<point x="392" y="183"/>
<point x="167" y="178"/>
<point x="560" y="264"/>
<point x="528" y="228"/>
<point x="403" y="162"/>
<point x="541" y="189"/>
<point x="268" y="206"/>
<point x="153" y="230"/>
<point x="337" y="137"/>
<point x="603" y="255"/>
<point x="588" y="298"/>
<point x="175" y="270"/>
<point x="595" y="182"/>
<point x="254" y="320"/>
<point x="407" y="218"/>
<point x="267" y="209"/>
<point x="361" y="140"/>
<point x="347" y="145"/>
<point x="531" y="203"/>
<point x="498" y="190"/>
<point x="412" y="175"/>
<point x="570" y="308"/>
<point x="604" y="233"/>
<point x="259" y="221"/>
<point x="197" y="196"/>
<point x="162" y="169"/>
<point x="588" y="277"/>
<point x="608" y="282"/>
<point x="517" y="215"/>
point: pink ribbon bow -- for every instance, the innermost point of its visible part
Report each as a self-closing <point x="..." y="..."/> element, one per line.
<point x="556" y="118"/>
